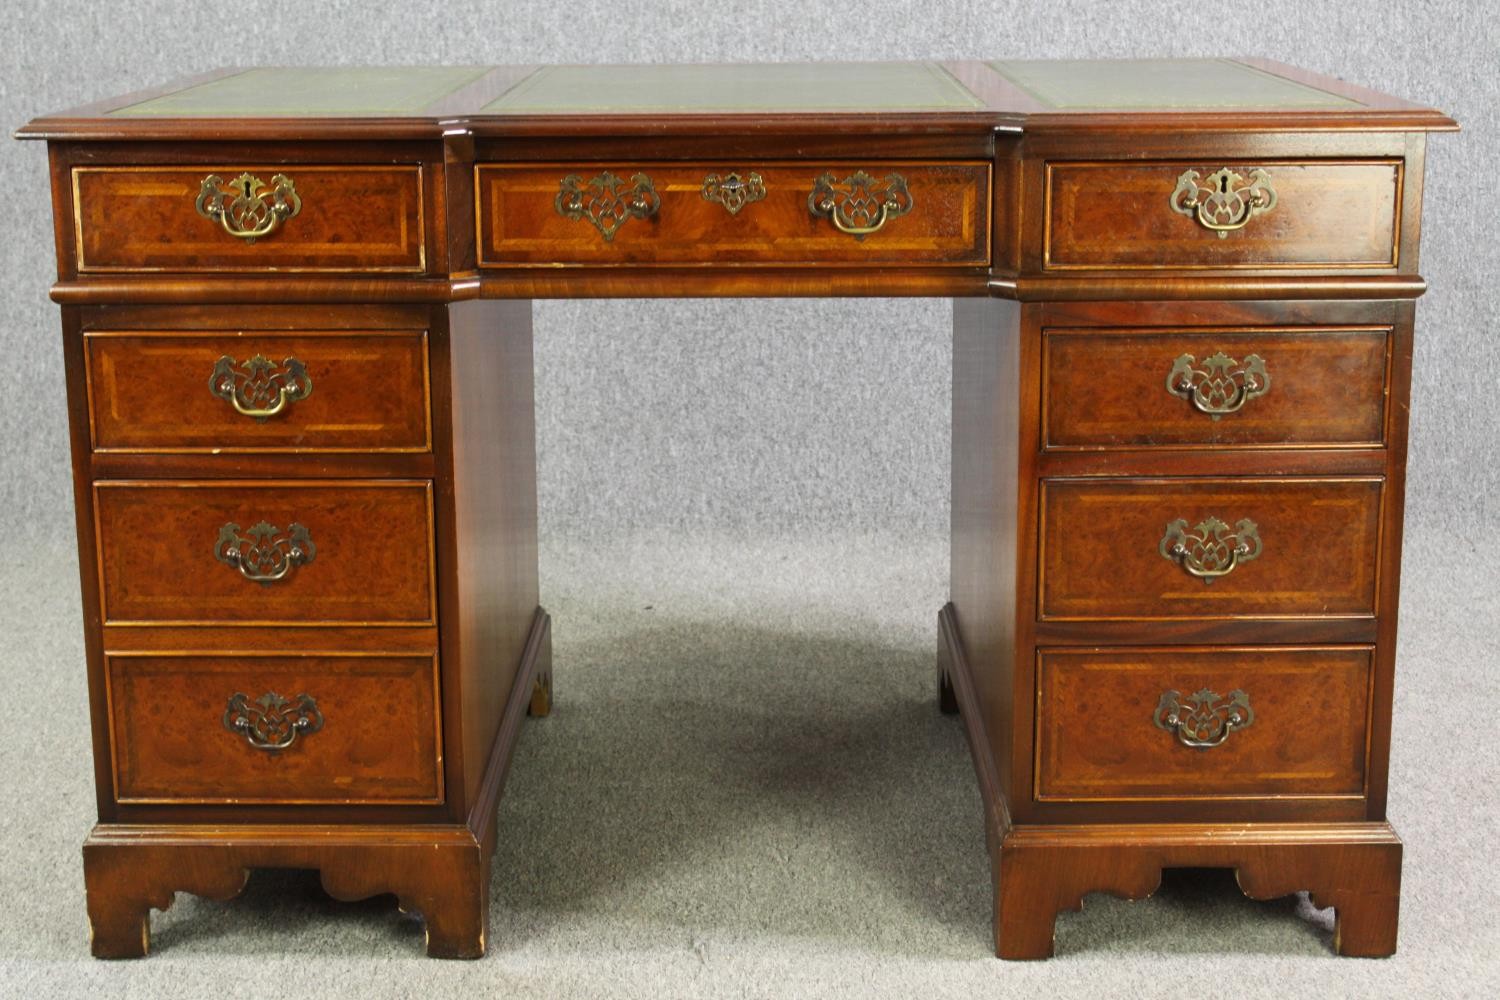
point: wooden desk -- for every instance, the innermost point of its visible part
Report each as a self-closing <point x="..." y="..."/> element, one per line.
<point x="298" y="349"/>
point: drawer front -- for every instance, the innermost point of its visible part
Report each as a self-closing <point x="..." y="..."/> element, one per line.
<point x="309" y="218"/>
<point x="1138" y="388"/>
<point x="320" y="553"/>
<point x="1209" y="548"/>
<point x="262" y="391"/>
<point x="1127" y="724"/>
<point x="734" y="213"/>
<point x="1200" y="214"/>
<point x="276" y="729"/>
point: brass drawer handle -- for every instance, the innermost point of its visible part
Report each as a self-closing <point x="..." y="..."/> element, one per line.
<point x="606" y="202"/>
<point x="242" y="207"/>
<point x="1222" y="385"/>
<point x="1210" y="550"/>
<point x="1224" y="201"/>
<point x="272" y="722"/>
<point x="733" y="191"/>
<point x="260" y="388"/>
<point x="1203" y="720"/>
<point x="859" y="204"/>
<point x="264" y="554"/>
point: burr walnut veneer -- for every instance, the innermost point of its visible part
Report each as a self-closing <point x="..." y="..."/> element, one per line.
<point x="296" y="323"/>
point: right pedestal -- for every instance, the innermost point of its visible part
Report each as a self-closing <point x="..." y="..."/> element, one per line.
<point x="1176" y="539"/>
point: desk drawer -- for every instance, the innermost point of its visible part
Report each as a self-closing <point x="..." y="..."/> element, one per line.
<point x="1211" y="214"/>
<point x="1146" y="388"/>
<point x="804" y="213"/>
<point x="1209" y="548"/>
<point x="258" y="391"/>
<point x="282" y="553"/>
<point x="309" y="218"/>
<point x="236" y="728"/>
<point x="1133" y="724"/>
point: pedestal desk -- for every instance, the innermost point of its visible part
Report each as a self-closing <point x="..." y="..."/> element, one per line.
<point x="297" y="329"/>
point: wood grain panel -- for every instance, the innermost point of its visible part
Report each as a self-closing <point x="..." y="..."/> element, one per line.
<point x="379" y="742"/>
<point x="991" y="350"/>
<point x="519" y="223"/>
<point x="490" y="588"/>
<point x="1119" y="215"/>
<point x="148" y="392"/>
<point x="353" y="218"/>
<point x="1108" y="388"/>
<point x="1101" y="558"/>
<point x="373" y="562"/>
<point x="1097" y="738"/>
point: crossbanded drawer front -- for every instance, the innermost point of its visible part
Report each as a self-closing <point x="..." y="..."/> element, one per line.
<point x="1162" y="388"/>
<point x="1205" y="214"/>
<point x="1209" y="548"/>
<point x="1202" y="722"/>
<point x="250" y="217"/>
<point x="251" y="727"/>
<point x="276" y="553"/>
<point x="804" y="213"/>
<point x="262" y="391"/>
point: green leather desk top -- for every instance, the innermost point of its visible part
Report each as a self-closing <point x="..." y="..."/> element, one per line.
<point x="410" y="101"/>
<point x="737" y="88"/>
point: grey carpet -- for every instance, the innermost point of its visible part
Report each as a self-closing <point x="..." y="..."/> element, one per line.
<point x="746" y="791"/>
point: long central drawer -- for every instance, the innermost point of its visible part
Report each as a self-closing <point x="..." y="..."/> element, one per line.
<point x="802" y="213"/>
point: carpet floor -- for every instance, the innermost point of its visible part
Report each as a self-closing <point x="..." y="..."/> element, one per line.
<point x="746" y="790"/>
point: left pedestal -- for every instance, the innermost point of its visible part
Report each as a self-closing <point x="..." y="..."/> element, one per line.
<point x="308" y="540"/>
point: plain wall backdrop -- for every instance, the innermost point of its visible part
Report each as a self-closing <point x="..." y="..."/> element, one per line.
<point x="766" y="416"/>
